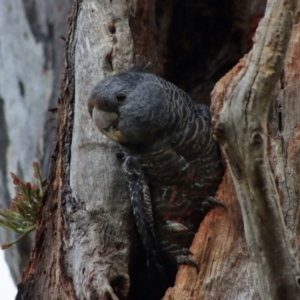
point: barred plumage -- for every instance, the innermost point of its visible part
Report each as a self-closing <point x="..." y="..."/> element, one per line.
<point x="172" y="164"/>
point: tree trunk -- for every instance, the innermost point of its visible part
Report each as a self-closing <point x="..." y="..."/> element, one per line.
<point x="220" y="242"/>
<point x="31" y="67"/>
<point x="85" y="245"/>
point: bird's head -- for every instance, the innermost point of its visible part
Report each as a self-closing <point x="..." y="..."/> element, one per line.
<point x="128" y="107"/>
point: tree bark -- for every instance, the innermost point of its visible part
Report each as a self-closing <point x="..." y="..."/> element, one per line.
<point x="241" y="130"/>
<point x="227" y="272"/>
<point x="31" y="56"/>
<point x="84" y="230"/>
<point x="85" y="244"/>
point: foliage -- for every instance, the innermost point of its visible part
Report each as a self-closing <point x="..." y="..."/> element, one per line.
<point x="23" y="214"/>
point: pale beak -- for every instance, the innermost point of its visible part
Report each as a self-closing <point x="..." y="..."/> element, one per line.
<point x="106" y="122"/>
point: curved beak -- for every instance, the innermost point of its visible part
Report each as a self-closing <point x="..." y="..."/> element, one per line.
<point x="106" y="122"/>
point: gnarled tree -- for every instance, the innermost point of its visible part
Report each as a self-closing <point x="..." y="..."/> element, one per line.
<point x="85" y="244"/>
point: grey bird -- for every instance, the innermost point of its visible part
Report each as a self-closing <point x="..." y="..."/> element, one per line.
<point x="171" y="163"/>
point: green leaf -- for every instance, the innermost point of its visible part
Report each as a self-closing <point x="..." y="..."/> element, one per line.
<point x="23" y="214"/>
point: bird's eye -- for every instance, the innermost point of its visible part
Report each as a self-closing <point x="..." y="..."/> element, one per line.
<point x="121" y="97"/>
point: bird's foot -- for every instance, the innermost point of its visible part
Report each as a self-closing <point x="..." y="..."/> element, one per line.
<point x="184" y="259"/>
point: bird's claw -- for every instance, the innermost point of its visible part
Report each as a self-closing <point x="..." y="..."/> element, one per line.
<point x="184" y="259"/>
<point x="215" y="202"/>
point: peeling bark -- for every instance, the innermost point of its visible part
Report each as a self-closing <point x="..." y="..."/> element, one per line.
<point x="98" y="217"/>
<point x="226" y="269"/>
<point x="85" y="246"/>
<point x="241" y="129"/>
<point x="84" y="232"/>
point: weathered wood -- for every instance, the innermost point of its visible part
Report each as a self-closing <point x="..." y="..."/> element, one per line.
<point x="284" y="132"/>
<point x="241" y="129"/>
<point x="98" y="217"/>
<point x="84" y="234"/>
<point x="226" y="270"/>
<point x="83" y="243"/>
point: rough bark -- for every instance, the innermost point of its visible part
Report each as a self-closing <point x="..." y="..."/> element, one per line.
<point x="226" y="270"/>
<point x="83" y="234"/>
<point x="31" y="56"/>
<point x="84" y="241"/>
<point x="241" y="129"/>
<point x="99" y="225"/>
